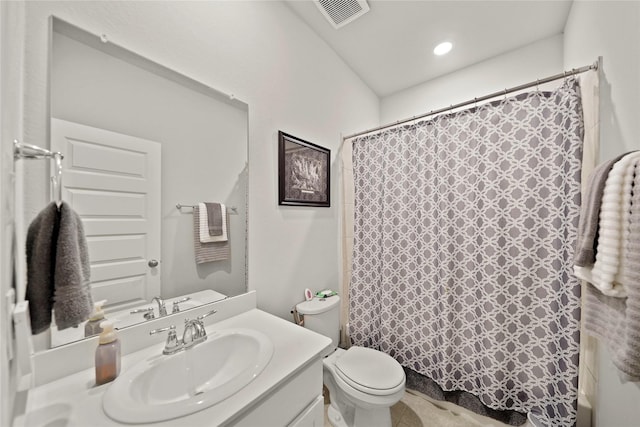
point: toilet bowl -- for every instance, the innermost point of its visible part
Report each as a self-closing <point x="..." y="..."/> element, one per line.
<point x="363" y="383"/>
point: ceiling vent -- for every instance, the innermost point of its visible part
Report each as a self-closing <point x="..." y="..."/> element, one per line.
<point x="340" y="12"/>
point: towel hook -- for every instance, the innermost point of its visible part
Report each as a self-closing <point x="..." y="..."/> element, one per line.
<point x="56" y="179"/>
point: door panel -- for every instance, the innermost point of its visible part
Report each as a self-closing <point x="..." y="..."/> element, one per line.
<point x="109" y="160"/>
<point x="109" y="248"/>
<point x="101" y="203"/>
<point x="129" y="288"/>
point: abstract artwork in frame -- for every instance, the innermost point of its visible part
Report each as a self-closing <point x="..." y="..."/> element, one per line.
<point x="303" y="172"/>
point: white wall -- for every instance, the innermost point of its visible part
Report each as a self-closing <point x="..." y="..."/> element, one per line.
<point x="11" y="36"/>
<point x="537" y="60"/>
<point x="612" y="30"/>
<point x="267" y="57"/>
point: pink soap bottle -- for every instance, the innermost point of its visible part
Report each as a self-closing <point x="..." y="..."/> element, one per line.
<point x="107" y="354"/>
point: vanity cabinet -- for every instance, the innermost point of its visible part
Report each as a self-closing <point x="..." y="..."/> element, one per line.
<point x="295" y="403"/>
<point x="312" y="416"/>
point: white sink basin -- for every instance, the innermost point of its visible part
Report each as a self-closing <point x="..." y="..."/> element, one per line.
<point x="165" y="387"/>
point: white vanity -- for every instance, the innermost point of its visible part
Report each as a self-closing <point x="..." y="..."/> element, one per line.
<point x="287" y="391"/>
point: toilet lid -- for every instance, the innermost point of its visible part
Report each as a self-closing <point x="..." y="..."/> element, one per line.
<point x="369" y="370"/>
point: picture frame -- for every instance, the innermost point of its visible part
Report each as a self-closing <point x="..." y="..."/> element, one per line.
<point x="304" y="172"/>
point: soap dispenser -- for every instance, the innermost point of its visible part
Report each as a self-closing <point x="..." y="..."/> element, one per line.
<point x="92" y="327"/>
<point x="107" y="354"/>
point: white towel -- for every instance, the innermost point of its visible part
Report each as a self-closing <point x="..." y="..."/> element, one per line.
<point x="606" y="273"/>
<point x="205" y="237"/>
<point x="625" y="223"/>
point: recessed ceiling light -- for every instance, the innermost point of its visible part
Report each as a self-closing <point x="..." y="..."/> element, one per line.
<point x="442" y="48"/>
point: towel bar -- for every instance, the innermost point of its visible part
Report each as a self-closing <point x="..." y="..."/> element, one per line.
<point x="28" y="151"/>
<point x="233" y="210"/>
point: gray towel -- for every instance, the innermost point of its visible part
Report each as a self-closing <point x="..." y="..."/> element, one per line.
<point x="616" y="321"/>
<point x="589" y="214"/>
<point x="40" y="250"/>
<point x="208" y="252"/>
<point x="72" y="302"/>
<point x="214" y="216"/>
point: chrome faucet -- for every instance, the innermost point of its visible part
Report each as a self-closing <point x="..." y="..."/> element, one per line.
<point x="194" y="330"/>
<point x="162" y="310"/>
<point x="194" y="333"/>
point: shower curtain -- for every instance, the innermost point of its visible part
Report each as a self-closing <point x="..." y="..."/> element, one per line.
<point x="464" y="229"/>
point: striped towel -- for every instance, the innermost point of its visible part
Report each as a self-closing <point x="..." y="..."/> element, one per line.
<point x="604" y="274"/>
<point x="211" y="251"/>
<point x="616" y="321"/>
<point x="625" y="226"/>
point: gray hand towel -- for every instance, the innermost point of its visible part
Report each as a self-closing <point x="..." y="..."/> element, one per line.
<point x="214" y="216"/>
<point x="72" y="302"/>
<point x="590" y="212"/>
<point x="40" y="248"/>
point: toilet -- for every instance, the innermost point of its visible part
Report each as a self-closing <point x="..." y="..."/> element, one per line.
<point x="363" y="383"/>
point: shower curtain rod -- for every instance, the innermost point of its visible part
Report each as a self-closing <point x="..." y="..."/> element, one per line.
<point x="504" y="92"/>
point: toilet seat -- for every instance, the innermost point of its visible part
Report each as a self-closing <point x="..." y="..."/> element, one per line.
<point x="370" y="371"/>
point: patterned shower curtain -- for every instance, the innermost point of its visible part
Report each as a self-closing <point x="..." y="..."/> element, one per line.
<point x="464" y="232"/>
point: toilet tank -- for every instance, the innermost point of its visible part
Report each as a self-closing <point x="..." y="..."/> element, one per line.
<point x="322" y="315"/>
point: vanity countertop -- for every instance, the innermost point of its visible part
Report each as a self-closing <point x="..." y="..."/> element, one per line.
<point x="76" y="401"/>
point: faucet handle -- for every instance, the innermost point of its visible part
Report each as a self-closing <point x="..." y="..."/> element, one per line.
<point x="176" y="307"/>
<point x="207" y="314"/>
<point x="171" y="328"/>
<point x="172" y="344"/>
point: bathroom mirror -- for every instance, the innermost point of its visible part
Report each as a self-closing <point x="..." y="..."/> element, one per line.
<point x="203" y="140"/>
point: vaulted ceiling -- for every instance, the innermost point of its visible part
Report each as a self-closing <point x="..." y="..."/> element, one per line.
<point x="391" y="46"/>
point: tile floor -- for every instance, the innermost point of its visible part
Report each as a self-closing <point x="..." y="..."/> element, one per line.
<point x="417" y="410"/>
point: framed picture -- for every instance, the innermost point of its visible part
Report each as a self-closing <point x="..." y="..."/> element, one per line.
<point x="303" y="172"/>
